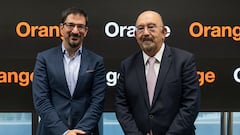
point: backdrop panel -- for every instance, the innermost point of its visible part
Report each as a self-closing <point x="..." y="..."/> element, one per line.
<point x="209" y="29"/>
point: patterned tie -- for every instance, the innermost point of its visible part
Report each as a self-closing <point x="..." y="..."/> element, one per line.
<point x="151" y="78"/>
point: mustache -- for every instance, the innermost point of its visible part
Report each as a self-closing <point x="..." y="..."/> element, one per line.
<point x="147" y="39"/>
<point x="74" y="35"/>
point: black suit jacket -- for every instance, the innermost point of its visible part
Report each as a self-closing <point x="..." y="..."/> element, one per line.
<point x="59" y="111"/>
<point x="176" y="99"/>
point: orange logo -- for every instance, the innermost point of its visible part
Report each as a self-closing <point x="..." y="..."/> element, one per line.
<point x="206" y="77"/>
<point x="24" y="29"/>
<point x="196" y="30"/>
<point x="22" y="78"/>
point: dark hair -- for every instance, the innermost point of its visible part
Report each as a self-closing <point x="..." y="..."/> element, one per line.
<point x="73" y="10"/>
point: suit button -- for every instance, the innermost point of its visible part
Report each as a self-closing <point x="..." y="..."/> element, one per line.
<point x="151" y="116"/>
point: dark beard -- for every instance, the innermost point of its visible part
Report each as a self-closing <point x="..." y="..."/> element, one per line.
<point x="73" y="45"/>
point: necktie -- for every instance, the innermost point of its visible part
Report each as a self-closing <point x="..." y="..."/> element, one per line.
<point x="151" y="78"/>
<point x="150" y="133"/>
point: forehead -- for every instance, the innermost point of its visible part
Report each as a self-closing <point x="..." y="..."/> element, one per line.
<point x="149" y="17"/>
<point x="76" y="18"/>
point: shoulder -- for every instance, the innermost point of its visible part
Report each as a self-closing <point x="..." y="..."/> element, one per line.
<point x="180" y="56"/>
<point x="132" y="58"/>
<point x="178" y="53"/>
<point x="50" y="51"/>
<point x="91" y="55"/>
<point x="130" y="62"/>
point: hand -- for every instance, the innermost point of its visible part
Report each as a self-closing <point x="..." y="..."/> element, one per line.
<point x="75" y="132"/>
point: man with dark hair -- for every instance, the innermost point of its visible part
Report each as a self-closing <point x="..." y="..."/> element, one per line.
<point x="69" y="82"/>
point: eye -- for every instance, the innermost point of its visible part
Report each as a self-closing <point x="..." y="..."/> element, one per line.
<point x="140" y="28"/>
<point x="151" y="27"/>
<point x="71" y="25"/>
<point x="81" y="26"/>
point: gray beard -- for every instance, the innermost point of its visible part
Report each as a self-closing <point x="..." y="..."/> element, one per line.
<point x="149" y="48"/>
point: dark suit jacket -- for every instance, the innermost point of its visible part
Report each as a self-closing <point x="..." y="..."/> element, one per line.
<point x="59" y="111"/>
<point x="176" y="99"/>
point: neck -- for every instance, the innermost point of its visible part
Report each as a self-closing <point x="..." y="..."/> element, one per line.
<point x="151" y="53"/>
<point x="72" y="51"/>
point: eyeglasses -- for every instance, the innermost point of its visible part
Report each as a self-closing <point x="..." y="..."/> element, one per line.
<point x="150" y="28"/>
<point x="71" y="26"/>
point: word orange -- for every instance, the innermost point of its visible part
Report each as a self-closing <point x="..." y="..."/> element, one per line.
<point x="24" y="29"/>
<point x="22" y="78"/>
<point x="208" y="77"/>
<point x="196" y="30"/>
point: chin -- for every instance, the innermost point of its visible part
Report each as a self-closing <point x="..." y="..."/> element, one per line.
<point x="149" y="46"/>
<point x="74" y="45"/>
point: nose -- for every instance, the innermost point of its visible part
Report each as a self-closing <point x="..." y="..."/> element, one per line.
<point x="75" y="29"/>
<point x="145" y="31"/>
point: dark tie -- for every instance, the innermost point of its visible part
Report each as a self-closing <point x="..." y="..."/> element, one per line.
<point x="151" y="78"/>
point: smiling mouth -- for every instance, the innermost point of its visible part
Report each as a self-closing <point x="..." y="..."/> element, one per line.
<point x="147" y="41"/>
<point x="75" y="37"/>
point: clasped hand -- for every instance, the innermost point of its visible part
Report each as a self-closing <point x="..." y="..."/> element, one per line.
<point x="75" y="132"/>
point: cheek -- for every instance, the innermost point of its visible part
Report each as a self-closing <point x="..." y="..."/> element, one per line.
<point x="64" y="33"/>
<point x="158" y="37"/>
<point x="138" y="37"/>
<point x="139" y="40"/>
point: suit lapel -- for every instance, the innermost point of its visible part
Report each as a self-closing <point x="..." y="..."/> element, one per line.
<point x="163" y="71"/>
<point x="82" y="70"/>
<point x="60" y="70"/>
<point x="141" y="77"/>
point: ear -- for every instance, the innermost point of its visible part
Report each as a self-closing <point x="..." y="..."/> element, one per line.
<point x="164" y="33"/>
<point x="164" y="30"/>
<point x="86" y="31"/>
<point x="61" y="29"/>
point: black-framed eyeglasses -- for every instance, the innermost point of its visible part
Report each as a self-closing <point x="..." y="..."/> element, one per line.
<point x="71" y="26"/>
<point x="150" y="28"/>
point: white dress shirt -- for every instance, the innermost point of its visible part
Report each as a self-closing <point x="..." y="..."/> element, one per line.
<point x="157" y="56"/>
<point x="71" y="67"/>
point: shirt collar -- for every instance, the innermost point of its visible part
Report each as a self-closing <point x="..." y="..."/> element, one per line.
<point x="157" y="56"/>
<point x="79" y="51"/>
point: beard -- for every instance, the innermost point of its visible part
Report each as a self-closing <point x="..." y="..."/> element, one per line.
<point x="73" y="45"/>
<point x="148" y="46"/>
<point x="74" y="41"/>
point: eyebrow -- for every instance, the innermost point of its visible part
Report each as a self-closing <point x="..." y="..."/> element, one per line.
<point x="147" y="24"/>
